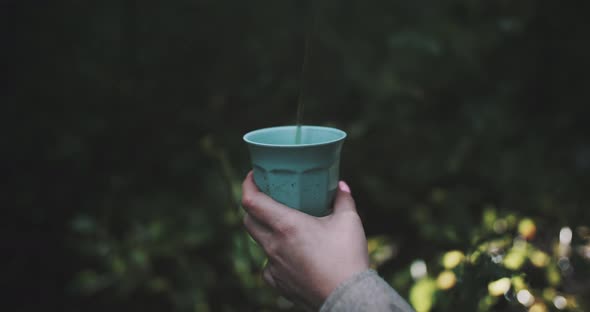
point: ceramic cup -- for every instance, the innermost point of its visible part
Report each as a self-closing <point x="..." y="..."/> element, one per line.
<point x="302" y="176"/>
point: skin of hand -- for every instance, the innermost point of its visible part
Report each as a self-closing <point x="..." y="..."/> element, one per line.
<point x="307" y="256"/>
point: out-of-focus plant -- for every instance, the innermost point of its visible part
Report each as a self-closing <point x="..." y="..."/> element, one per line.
<point x="511" y="265"/>
<point x="176" y="257"/>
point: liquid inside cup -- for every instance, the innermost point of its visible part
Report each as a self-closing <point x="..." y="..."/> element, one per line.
<point x="286" y="136"/>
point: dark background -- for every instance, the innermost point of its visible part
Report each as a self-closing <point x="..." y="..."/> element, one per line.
<point x="123" y="155"/>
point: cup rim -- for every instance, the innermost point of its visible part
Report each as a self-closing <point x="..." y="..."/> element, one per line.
<point x="342" y="136"/>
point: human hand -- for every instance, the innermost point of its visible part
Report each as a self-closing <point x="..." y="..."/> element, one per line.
<point x="307" y="256"/>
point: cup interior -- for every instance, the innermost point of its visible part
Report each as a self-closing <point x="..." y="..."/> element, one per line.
<point x="286" y="136"/>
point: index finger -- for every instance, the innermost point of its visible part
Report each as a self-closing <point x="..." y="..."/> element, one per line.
<point x="265" y="209"/>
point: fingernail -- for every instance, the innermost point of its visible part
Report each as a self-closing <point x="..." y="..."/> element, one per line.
<point x="344" y="187"/>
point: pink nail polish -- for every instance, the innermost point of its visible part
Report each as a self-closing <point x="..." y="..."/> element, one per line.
<point x="344" y="187"/>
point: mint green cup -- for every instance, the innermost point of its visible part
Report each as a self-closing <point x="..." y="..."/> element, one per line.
<point x="302" y="176"/>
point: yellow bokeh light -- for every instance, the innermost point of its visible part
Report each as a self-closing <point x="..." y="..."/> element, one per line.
<point x="549" y="293"/>
<point x="538" y="307"/>
<point x="446" y="280"/>
<point x="553" y="275"/>
<point x="527" y="228"/>
<point x="452" y="258"/>
<point x="518" y="283"/>
<point x="372" y="244"/>
<point x="539" y="259"/>
<point x="422" y="295"/>
<point x="473" y="257"/>
<point x="499" y="287"/>
<point x="515" y="258"/>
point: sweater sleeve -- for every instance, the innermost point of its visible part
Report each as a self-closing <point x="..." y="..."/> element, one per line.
<point x="365" y="291"/>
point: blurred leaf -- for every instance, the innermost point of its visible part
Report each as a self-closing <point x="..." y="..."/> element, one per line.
<point x="499" y="287"/>
<point x="515" y="258"/>
<point x="527" y="228"/>
<point x="446" y="280"/>
<point x="83" y="224"/>
<point x="422" y="295"/>
<point x="452" y="258"/>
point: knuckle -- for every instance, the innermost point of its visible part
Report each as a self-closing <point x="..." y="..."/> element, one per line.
<point x="286" y="229"/>
<point x="267" y="277"/>
<point x="247" y="201"/>
<point x="271" y="249"/>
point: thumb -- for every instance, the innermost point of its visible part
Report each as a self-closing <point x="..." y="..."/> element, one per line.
<point x="343" y="201"/>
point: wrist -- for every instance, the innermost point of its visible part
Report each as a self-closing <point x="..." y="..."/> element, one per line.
<point x="340" y="280"/>
<point x="344" y="287"/>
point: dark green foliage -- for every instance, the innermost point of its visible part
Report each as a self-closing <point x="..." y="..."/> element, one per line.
<point x="124" y="144"/>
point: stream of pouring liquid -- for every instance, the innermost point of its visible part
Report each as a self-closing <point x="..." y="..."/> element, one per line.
<point x="300" y="102"/>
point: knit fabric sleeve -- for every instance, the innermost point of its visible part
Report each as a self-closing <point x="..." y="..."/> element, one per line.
<point x="365" y="291"/>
